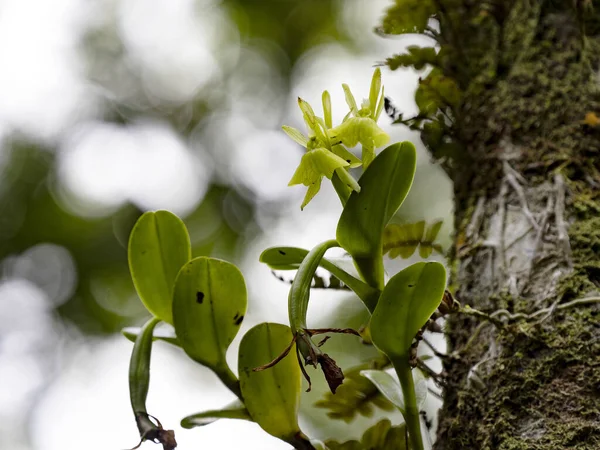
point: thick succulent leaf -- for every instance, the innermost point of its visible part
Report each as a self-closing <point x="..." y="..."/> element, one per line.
<point x="209" y="303"/>
<point x="384" y="186"/>
<point x="163" y="333"/>
<point x="159" y="246"/>
<point x="299" y="295"/>
<point x="235" y="410"/>
<point x="381" y="436"/>
<point x="409" y="299"/>
<point x="357" y="396"/>
<point x="139" y="368"/>
<point x="290" y="258"/>
<point x="272" y="396"/>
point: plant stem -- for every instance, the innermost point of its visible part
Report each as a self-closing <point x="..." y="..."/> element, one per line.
<point x="343" y="191"/>
<point x="411" y="414"/>
<point x="300" y="442"/>
<point x="368" y="294"/>
<point x="229" y="379"/>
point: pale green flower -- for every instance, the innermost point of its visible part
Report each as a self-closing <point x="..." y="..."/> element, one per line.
<point x="360" y="125"/>
<point x="322" y="158"/>
<point x="314" y="165"/>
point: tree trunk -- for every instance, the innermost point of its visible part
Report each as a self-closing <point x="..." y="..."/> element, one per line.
<point x="527" y="220"/>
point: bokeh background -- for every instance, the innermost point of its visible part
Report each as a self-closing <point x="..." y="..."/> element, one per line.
<point x="109" y="108"/>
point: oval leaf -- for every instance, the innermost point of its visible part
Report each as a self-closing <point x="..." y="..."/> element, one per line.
<point x="272" y="396"/>
<point x="159" y="246"/>
<point x="384" y="186"/>
<point x="409" y="299"/>
<point x="209" y="303"/>
<point x="390" y="388"/>
<point x="236" y="410"/>
<point x="290" y="258"/>
<point x="387" y="385"/>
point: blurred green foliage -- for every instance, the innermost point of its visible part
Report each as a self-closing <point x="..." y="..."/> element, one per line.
<point x="32" y="213"/>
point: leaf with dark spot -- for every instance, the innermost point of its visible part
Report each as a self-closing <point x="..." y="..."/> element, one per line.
<point x="199" y="297"/>
<point x="281" y="252"/>
<point x="238" y="320"/>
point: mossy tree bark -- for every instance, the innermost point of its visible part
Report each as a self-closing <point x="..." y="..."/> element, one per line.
<point x="527" y="217"/>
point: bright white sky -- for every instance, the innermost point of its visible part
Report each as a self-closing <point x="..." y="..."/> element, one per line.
<point x="44" y="93"/>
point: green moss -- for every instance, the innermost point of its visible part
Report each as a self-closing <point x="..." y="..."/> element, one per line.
<point x="549" y="381"/>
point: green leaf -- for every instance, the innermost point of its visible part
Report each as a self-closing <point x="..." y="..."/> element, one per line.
<point x="139" y="368"/>
<point x="421" y="391"/>
<point x="408" y="16"/>
<point x="235" y="410"/>
<point x="402" y="239"/>
<point x="387" y="385"/>
<point x="433" y="230"/>
<point x="209" y="303"/>
<point x="299" y="295"/>
<point x="166" y="334"/>
<point x="290" y="258"/>
<point x="409" y="299"/>
<point x="272" y="396"/>
<point x="384" y="186"/>
<point x="427" y="247"/>
<point x="390" y="388"/>
<point x="381" y="436"/>
<point x="159" y="246"/>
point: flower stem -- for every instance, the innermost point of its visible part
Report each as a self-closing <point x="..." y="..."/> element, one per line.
<point x="342" y="190"/>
